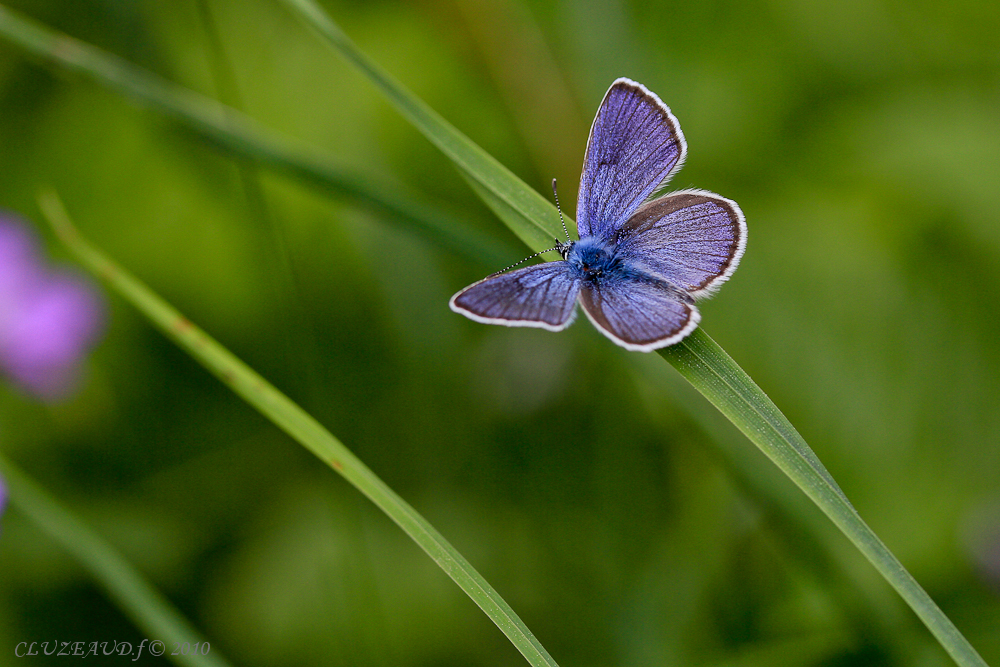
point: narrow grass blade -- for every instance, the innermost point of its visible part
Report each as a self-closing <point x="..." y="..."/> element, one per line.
<point x="285" y="414"/>
<point x="698" y="358"/>
<point x="720" y="379"/>
<point x="245" y="137"/>
<point x="140" y="601"/>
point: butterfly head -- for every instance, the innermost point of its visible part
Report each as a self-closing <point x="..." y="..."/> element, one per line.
<point x="564" y="248"/>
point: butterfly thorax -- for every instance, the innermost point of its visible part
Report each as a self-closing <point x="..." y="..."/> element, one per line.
<point x="595" y="260"/>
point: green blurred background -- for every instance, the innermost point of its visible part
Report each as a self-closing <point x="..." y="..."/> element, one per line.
<point x="625" y="521"/>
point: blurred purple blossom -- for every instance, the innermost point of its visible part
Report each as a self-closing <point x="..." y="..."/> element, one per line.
<point x="980" y="535"/>
<point x="983" y="543"/>
<point x="989" y="562"/>
<point x="3" y="496"/>
<point x="48" y="318"/>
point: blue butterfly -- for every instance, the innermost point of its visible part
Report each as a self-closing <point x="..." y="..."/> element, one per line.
<point x="640" y="263"/>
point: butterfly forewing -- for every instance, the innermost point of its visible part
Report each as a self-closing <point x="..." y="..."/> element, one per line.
<point x="635" y="144"/>
<point x="543" y="295"/>
<point x="692" y="239"/>
<point x="641" y="316"/>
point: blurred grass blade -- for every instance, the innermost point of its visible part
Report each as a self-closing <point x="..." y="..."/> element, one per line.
<point x="243" y="136"/>
<point x="529" y="215"/>
<point x="698" y="358"/>
<point x="277" y="407"/>
<point x="140" y="601"/>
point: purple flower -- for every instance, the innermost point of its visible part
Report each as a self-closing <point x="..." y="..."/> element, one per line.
<point x="48" y="318"/>
<point x="989" y="562"/>
<point x="983" y="544"/>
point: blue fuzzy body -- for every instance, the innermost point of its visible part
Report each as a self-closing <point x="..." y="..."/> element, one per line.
<point x="595" y="261"/>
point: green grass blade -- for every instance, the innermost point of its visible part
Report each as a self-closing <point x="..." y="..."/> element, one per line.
<point x="699" y="359"/>
<point x="245" y="137"/>
<point x="529" y="215"/>
<point x="140" y="601"/>
<point x="720" y="379"/>
<point x="714" y="373"/>
<point x="277" y="407"/>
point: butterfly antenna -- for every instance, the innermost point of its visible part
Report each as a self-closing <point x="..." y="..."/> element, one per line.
<point x="522" y="261"/>
<point x="560" y="246"/>
<point x="559" y="208"/>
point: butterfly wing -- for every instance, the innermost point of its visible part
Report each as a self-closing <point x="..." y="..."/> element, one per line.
<point x="691" y="239"/>
<point x="542" y="295"/>
<point x="635" y="144"/>
<point x="639" y="315"/>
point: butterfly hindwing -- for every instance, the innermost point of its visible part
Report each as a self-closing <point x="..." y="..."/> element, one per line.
<point x="635" y="144"/>
<point x="543" y="295"/>
<point x="692" y="239"/>
<point x="639" y="315"/>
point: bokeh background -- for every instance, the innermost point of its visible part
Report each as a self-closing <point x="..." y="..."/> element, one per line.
<point x="624" y="520"/>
